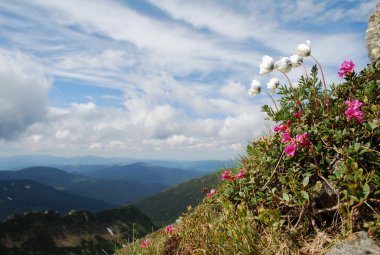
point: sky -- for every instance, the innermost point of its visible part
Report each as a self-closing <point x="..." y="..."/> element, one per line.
<point x="156" y="79"/>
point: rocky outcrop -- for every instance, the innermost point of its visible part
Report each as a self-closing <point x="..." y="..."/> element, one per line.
<point x="357" y="244"/>
<point x="373" y="36"/>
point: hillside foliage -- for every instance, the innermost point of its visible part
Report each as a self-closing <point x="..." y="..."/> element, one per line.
<point x="78" y="232"/>
<point x="165" y="207"/>
<point x="313" y="181"/>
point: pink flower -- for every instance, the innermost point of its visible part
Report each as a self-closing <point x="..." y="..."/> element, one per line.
<point x="353" y="103"/>
<point x="351" y="113"/>
<point x="291" y="149"/>
<point x="211" y="193"/>
<point x="286" y="138"/>
<point x="297" y="115"/>
<point x="302" y="139"/>
<point x="281" y="128"/>
<point x="240" y="174"/>
<point x="144" y="244"/>
<point x="289" y="123"/>
<point x="227" y="175"/>
<point x="169" y="229"/>
<point x="346" y="68"/>
<point x="353" y="110"/>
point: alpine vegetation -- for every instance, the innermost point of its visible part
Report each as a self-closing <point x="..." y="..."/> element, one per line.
<point x="311" y="182"/>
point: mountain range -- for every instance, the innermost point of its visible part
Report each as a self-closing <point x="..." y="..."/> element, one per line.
<point x="84" y="163"/>
<point x="19" y="196"/>
<point x="111" y="185"/>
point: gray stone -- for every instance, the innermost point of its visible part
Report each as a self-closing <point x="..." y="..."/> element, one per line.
<point x="357" y="244"/>
<point x="373" y="36"/>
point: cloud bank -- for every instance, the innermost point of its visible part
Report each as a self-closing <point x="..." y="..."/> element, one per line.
<point x="23" y="94"/>
<point x="156" y="78"/>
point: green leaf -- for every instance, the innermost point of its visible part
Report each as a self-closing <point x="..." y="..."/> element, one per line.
<point x="305" y="181"/>
<point x="366" y="189"/>
<point x="286" y="197"/>
<point x="372" y="125"/>
<point x="356" y="146"/>
<point x="319" y="145"/>
<point x="305" y="195"/>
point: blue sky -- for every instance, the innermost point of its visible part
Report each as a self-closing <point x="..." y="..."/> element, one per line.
<point x="156" y="78"/>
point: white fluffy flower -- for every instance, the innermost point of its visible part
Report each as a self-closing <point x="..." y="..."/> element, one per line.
<point x="284" y="65"/>
<point x="266" y="66"/>
<point x="296" y="60"/>
<point x="255" y="88"/>
<point x="303" y="49"/>
<point x="273" y="84"/>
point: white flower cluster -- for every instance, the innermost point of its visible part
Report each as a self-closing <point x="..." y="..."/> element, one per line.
<point x="284" y="65"/>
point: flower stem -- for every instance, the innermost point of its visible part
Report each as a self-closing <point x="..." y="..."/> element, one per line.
<point x="324" y="85"/>
<point x="274" y="102"/>
<point x="305" y="71"/>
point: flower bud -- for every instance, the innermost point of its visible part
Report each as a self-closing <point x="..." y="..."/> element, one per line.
<point x="273" y="84"/>
<point x="266" y="65"/>
<point x="255" y="88"/>
<point x="296" y="60"/>
<point x="284" y="65"/>
<point x="303" y="49"/>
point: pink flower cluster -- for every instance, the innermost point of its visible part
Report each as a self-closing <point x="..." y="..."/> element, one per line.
<point x="346" y="68"/>
<point x="353" y="110"/>
<point x="169" y="229"/>
<point x="144" y="244"/>
<point x="299" y="140"/>
<point x="212" y="192"/>
<point x="228" y="176"/>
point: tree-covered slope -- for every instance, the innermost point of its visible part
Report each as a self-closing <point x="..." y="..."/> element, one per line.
<point x="77" y="233"/>
<point x="166" y="206"/>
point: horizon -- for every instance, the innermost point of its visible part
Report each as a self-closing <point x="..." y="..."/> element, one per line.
<point x="159" y="80"/>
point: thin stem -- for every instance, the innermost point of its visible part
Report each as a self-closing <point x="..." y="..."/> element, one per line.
<point x="274" y="102"/>
<point x="274" y="170"/>
<point x="324" y="85"/>
<point x="291" y="87"/>
<point x="305" y="71"/>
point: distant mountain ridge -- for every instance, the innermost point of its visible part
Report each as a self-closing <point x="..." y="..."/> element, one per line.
<point x="19" y="196"/>
<point x="145" y="173"/>
<point x="73" y="164"/>
<point x="115" y="191"/>
<point x="46" y="175"/>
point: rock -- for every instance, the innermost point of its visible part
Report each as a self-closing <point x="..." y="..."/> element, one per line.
<point x="373" y="36"/>
<point x="356" y="244"/>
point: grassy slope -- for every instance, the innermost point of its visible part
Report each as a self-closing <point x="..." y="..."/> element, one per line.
<point x="166" y="206"/>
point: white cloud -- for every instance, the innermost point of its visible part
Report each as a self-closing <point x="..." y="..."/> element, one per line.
<point x="183" y="74"/>
<point x="108" y="59"/>
<point x="62" y="134"/>
<point x="90" y="106"/>
<point x="23" y="93"/>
